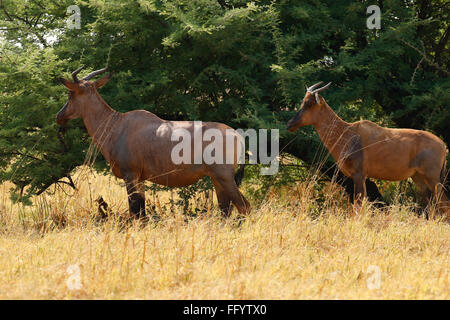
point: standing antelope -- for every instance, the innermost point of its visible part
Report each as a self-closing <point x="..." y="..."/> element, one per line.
<point x="138" y="145"/>
<point x="363" y="149"/>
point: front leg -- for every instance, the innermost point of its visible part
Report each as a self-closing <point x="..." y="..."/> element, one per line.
<point x="359" y="191"/>
<point x="136" y="198"/>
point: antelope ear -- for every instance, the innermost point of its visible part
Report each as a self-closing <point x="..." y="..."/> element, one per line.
<point x="102" y="81"/>
<point x="72" y="86"/>
<point x="317" y="97"/>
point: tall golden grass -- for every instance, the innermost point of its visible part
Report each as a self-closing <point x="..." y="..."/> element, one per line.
<point x="290" y="247"/>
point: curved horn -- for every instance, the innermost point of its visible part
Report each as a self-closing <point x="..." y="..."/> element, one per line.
<point x="74" y="74"/>
<point x="323" y="88"/>
<point x="95" y="73"/>
<point x="310" y="89"/>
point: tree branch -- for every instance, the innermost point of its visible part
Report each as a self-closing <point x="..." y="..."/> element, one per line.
<point x="441" y="45"/>
<point x="56" y="180"/>
<point x="430" y="62"/>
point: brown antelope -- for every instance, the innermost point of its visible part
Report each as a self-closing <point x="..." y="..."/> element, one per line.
<point x="138" y="145"/>
<point x="365" y="150"/>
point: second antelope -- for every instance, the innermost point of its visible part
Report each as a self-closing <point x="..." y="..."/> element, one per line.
<point x="138" y="145"/>
<point x="363" y="149"/>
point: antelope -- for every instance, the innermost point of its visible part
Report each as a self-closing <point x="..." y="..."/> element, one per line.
<point x="137" y="146"/>
<point x="364" y="149"/>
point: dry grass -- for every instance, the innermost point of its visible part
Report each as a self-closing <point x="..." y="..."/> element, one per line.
<point x="284" y="250"/>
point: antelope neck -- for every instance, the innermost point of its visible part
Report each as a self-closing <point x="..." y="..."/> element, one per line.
<point x="332" y="130"/>
<point x="99" y="119"/>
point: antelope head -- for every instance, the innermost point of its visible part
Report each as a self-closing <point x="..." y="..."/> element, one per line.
<point x="80" y="91"/>
<point x="309" y="109"/>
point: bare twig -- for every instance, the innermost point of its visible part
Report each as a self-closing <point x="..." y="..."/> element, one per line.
<point x="415" y="71"/>
<point x="424" y="56"/>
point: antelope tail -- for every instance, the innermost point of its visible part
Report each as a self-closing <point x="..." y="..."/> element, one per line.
<point x="239" y="175"/>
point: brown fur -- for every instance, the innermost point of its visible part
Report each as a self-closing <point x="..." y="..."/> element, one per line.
<point x="138" y="146"/>
<point x="363" y="149"/>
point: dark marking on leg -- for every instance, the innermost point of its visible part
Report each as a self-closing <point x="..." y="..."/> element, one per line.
<point x="136" y="199"/>
<point x="137" y="205"/>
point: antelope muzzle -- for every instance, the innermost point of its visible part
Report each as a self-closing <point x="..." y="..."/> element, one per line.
<point x="295" y="122"/>
<point x="61" y="116"/>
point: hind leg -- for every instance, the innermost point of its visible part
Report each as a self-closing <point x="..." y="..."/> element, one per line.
<point x="223" y="199"/>
<point x="431" y="167"/>
<point x="435" y="186"/>
<point x="238" y="199"/>
<point x="227" y="191"/>
<point x="424" y="192"/>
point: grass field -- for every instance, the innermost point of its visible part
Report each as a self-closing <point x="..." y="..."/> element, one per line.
<point x="284" y="250"/>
